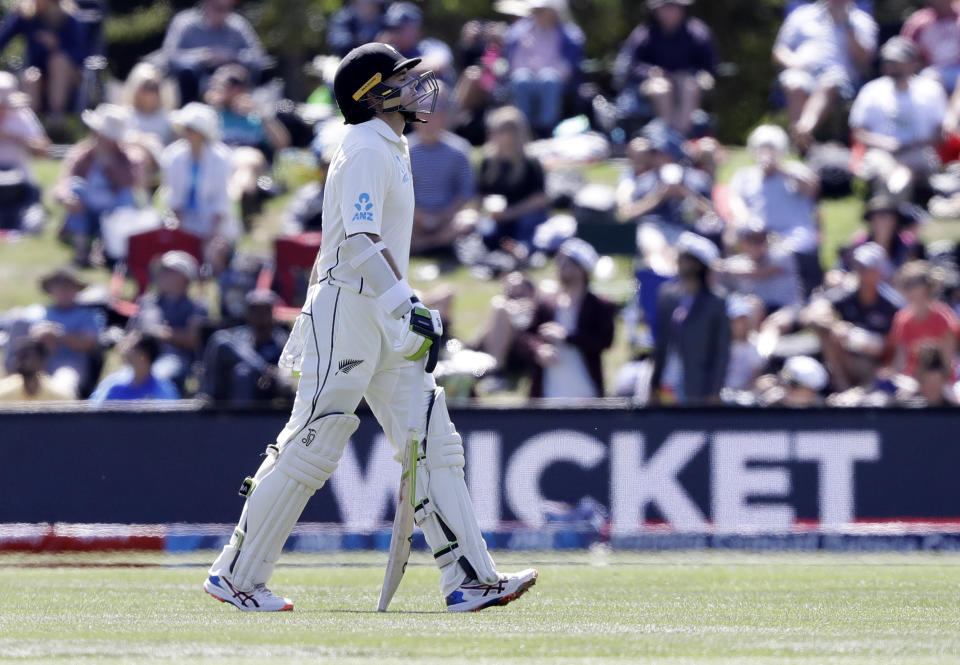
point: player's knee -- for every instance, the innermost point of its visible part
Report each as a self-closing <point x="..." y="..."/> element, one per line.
<point x="312" y="456"/>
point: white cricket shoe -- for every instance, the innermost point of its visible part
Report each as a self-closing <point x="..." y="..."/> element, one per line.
<point x="260" y="599"/>
<point x="472" y="595"/>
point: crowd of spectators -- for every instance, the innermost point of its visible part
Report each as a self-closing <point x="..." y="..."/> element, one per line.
<point x="735" y="302"/>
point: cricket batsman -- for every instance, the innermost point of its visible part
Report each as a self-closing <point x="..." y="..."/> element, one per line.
<point x="358" y="336"/>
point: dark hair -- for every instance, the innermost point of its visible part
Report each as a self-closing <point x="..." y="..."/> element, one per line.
<point x="149" y="345"/>
<point x="30" y="344"/>
<point x="929" y="359"/>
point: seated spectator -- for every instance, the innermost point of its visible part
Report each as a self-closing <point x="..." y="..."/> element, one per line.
<point x="924" y="320"/>
<point x="570" y="330"/>
<point x="96" y="178"/>
<point x="149" y="111"/>
<point x="935" y="30"/>
<point x="670" y="61"/>
<point x="511" y="313"/>
<point x="253" y="132"/>
<point x="403" y="29"/>
<point x="173" y="317"/>
<point x="55" y="53"/>
<point x="854" y="320"/>
<point x="543" y="51"/>
<point x="888" y="225"/>
<point x="769" y="273"/>
<point x="507" y="171"/>
<point x="354" y="24"/>
<point x="442" y="181"/>
<point x="70" y="331"/>
<point x="136" y="380"/>
<point x="240" y="364"/>
<point x="640" y="158"/>
<point x="196" y="173"/>
<point x="208" y="36"/>
<point x="29" y="382"/>
<point x="21" y="136"/>
<point x="481" y="60"/>
<point x="669" y="198"/>
<point x="898" y="119"/>
<point x="933" y="385"/>
<point x="800" y="383"/>
<point x="693" y="332"/>
<point x="824" y="48"/>
<point x="745" y="360"/>
<point x="784" y="195"/>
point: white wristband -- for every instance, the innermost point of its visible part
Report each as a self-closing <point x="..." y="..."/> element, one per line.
<point x="396" y="299"/>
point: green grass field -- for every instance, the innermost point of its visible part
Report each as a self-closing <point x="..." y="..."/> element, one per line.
<point x="587" y="608"/>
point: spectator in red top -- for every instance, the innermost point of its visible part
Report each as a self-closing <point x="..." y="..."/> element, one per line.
<point x="923" y="320"/>
<point x="936" y="31"/>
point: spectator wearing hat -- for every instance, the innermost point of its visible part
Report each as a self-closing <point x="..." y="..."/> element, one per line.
<point x="924" y="320"/>
<point x="96" y="178"/>
<point x="205" y="37"/>
<point x="935" y="30"/>
<point x="784" y="195"/>
<point x="403" y="29"/>
<point x="507" y="170"/>
<point x="240" y="363"/>
<point x="823" y="47"/>
<point x="29" y="381"/>
<point x="354" y="24"/>
<point x="143" y="95"/>
<point x="745" y="360"/>
<point x="168" y="313"/>
<point x="70" y="332"/>
<point x="801" y="382"/>
<point x="898" y="119"/>
<point x="854" y="319"/>
<point x="55" y="50"/>
<point x="668" y="197"/>
<point x="21" y="136"/>
<point x="693" y="331"/>
<point x="889" y="224"/>
<point x="670" y="61"/>
<point x="136" y="380"/>
<point x="443" y="181"/>
<point x="543" y="51"/>
<point x="196" y="173"/>
<point x="761" y="270"/>
<point x="570" y="330"/>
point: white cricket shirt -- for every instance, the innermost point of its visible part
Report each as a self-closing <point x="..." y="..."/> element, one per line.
<point x="369" y="189"/>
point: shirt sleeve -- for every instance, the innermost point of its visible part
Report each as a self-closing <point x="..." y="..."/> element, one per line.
<point x="364" y="185"/>
<point x="466" y="186"/>
<point x="865" y="30"/>
<point x="858" y="112"/>
<point x="788" y="35"/>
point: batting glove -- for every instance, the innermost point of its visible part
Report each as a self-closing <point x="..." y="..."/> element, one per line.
<point x="421" y="334"/>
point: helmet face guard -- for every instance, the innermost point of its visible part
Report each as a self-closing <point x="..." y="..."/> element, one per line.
<point x="425" y="88"/>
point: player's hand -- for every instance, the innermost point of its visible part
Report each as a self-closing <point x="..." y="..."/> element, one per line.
<point x="422" y="329"/>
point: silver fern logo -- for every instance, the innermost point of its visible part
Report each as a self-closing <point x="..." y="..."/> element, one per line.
<point x="347" y="365"/>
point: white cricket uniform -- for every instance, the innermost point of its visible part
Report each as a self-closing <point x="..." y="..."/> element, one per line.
<point x="347" y="337"/>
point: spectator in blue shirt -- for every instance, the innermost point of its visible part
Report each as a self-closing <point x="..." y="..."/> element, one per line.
<point x="668" y="62"/>
<point x="356" y="23"/>
<point x="443" y="181"/>
<point x="136" y="380"/>
<point x="55" y="52"/>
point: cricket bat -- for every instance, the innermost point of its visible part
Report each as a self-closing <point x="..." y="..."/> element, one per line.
<point x="401" y="538"/>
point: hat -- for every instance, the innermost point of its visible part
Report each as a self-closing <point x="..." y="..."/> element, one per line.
<point x="181" y="262"/>
<point x="698" y="247"/>
<point x="654" y="4"/>
<point x="753" y="226"/>
<point x="769" y="135"/>
<point x="260" y="298"/>
<point x="881" y="203"/>
<point x="739" y="305"/>
<point x="62" y="275"/>
<point x="582" y="253"/>
<point x="870" y="256"/>
<point x="10" y="94"/>
<point x="559" y="6"/>
<point x="200" y="118"/>
<point x="663" y="139"/>
<point x="898" y="49"/>
<point x="806" y="371"/>
<point x="230" y="74"/>
<point x="361" y="73"/>
<point x="401" y="13"/>
<point x="108" y="120"/>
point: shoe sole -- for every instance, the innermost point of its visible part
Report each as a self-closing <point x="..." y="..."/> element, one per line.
<point x="286" y="608"/>
<point x="510" y="597"/>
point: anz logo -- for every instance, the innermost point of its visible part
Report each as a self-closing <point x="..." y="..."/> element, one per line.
<point x="364" y="209"/>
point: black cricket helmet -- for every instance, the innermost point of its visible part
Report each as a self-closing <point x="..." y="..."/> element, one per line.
<point x="359" y="84"/>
